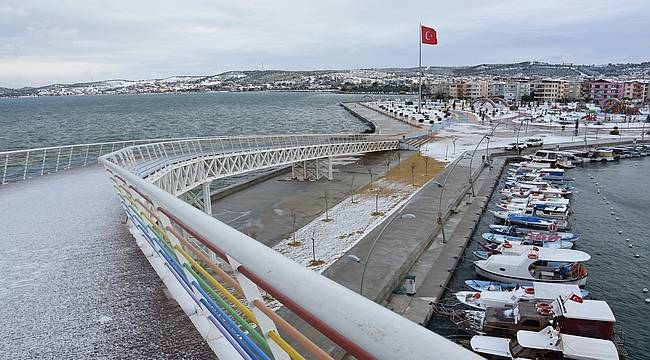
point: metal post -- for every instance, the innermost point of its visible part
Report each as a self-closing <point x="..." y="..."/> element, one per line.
<point x="440" y="219"/>
<point x="43" y="164"/>
<point x="4" y="173"/>
<point x="86" y="158"/>
<point x="70" y="158"/>
<point x="58" y="157"/>
<point x="207" y="204"/>
<point x="26" y="163"/>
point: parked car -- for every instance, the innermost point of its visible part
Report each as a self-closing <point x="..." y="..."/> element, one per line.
<point x="532" y="142"/>
<point x="515" y="146"/>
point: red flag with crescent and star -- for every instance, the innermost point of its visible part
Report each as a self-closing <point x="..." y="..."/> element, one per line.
<point x="429" y="35"/>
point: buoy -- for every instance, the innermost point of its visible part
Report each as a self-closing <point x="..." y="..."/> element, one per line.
<point x="647" y="300"/>
<point x="628" y="239"/>
<point x="611" y="208"/>
<point x="617" y="218"/>
<point x="604" y="198"/>
<point x="637" y="255"/>
<point x="620" y="231"/>
<point x="645" y="290"/>
<point x="612" y="213"/>
<point x="629" y="245"/>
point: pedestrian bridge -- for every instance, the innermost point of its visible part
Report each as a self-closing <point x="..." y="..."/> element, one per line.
<point x="226" y="282"/>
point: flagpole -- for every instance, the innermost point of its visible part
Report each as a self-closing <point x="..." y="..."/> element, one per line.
<point x="420" y="72"/>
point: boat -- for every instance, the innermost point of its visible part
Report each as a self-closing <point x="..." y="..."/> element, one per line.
<point x="503" y="299"/>
<point x="603" y="155"/>
<point x="533" y="234"/>
<point x="583" y="156"/>
<point x="574" y="314"/>
<point x="486" y="285"/>
<point x="525" y="265"/>
<point x="540" y="211"/>
<point x="547" y="343"/>
<point x="535" y="222"/>
<point x="560" y="159"/>
<point x="498" y="239"/>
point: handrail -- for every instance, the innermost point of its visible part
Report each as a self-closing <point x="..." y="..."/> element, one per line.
<point x="360" y="326"/>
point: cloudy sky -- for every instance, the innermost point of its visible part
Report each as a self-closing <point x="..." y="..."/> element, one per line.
<point x="47" y="41"/>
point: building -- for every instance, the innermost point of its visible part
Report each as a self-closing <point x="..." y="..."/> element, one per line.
<point x="603" y="89"/>
<point x="548" y="90"/>
<point x="572" y="90"/>
<point x="635" y="90"/>
<point x="475" y="89"/>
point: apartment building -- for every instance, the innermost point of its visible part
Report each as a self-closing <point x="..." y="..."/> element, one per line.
<point x="549" y="90"/>
<point x="635" y="90"/>
<point x="603" y="89"/>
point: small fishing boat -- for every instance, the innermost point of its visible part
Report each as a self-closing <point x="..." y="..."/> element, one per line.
<point x="533" y="234"/>
<point x="486" y="285"/>
<point x="540" y="211"/>
<point x="603" y="155"/>
<point x="498" y="239"/>
<point x="547" y="343"/>
<point x="528" y="264"/>
<point x="502" y="299"/>
<point x="535" y="222"/>
<point x="574" y="314"/>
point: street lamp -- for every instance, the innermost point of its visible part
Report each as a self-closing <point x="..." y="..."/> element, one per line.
<point x="374" y="243"/>
<point x="439" y="219"/>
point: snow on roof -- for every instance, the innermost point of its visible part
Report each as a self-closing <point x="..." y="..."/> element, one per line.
<point x="596" y="310"/>
<point x="574" y="347"/>
<point x="552" y="291"/>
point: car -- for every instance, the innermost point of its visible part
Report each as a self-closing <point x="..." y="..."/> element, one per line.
<point x="515" y="146"/>
<point x="532" y="142"/>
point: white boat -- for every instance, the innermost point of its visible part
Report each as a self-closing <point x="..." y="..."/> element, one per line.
<point x="497" y="240"/>
<point x="503" y="299"/>
<point x="547" y="343"/>
<point x="526" y="265"/>
<point x="558" y="158"/>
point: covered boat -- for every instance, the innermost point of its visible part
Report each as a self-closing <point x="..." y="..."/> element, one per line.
<point x="547" y="343"/>
<point x="528" y="264"/>
<point x="503" y="299"/>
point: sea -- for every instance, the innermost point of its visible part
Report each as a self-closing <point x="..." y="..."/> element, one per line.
<point x="52" y="121"/>
<point x="610" y="212"/>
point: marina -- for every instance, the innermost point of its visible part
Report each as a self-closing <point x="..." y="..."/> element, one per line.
<point x="503" y="291"/>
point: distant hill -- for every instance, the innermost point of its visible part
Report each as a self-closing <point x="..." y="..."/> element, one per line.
<point x="324" y="79"/>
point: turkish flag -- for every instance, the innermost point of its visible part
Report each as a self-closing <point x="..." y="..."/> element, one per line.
<point x="429" y="35"/>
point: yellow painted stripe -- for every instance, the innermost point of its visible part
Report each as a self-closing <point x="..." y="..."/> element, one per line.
<point x="295" y="355"/>
<point x="243" y="309"/>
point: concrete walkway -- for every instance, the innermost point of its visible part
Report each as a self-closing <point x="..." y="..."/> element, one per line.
<point x="68" y="260"/>
<point x="384" y="124"/>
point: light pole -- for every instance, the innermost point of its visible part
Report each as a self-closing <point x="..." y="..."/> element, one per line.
<point x="374" y="243"/>
<point x="439" y="218"/>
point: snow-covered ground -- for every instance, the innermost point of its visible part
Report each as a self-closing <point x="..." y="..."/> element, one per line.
<point x="350" y="222"/>
<point x="459" y="137"/>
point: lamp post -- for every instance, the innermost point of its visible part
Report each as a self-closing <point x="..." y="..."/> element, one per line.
<point x="439" y="218"/>
<point x="374" y="243"/>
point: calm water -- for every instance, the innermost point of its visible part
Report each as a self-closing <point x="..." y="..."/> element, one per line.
<point x="49" y="121"/>
<point x="615" y="274"/>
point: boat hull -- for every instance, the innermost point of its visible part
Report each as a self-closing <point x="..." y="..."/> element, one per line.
<point x="524" y="281"/>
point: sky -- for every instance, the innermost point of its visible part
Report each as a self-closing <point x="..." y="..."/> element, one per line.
<point x="59" y="41"/>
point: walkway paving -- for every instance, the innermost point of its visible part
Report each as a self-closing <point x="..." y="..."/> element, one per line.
<point x="67" y="260"/>
<point x="383" y="123"/>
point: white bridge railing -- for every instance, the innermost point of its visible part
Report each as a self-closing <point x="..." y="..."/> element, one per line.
<point x="223" y="279"/>
<point x="19" y="165"/>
